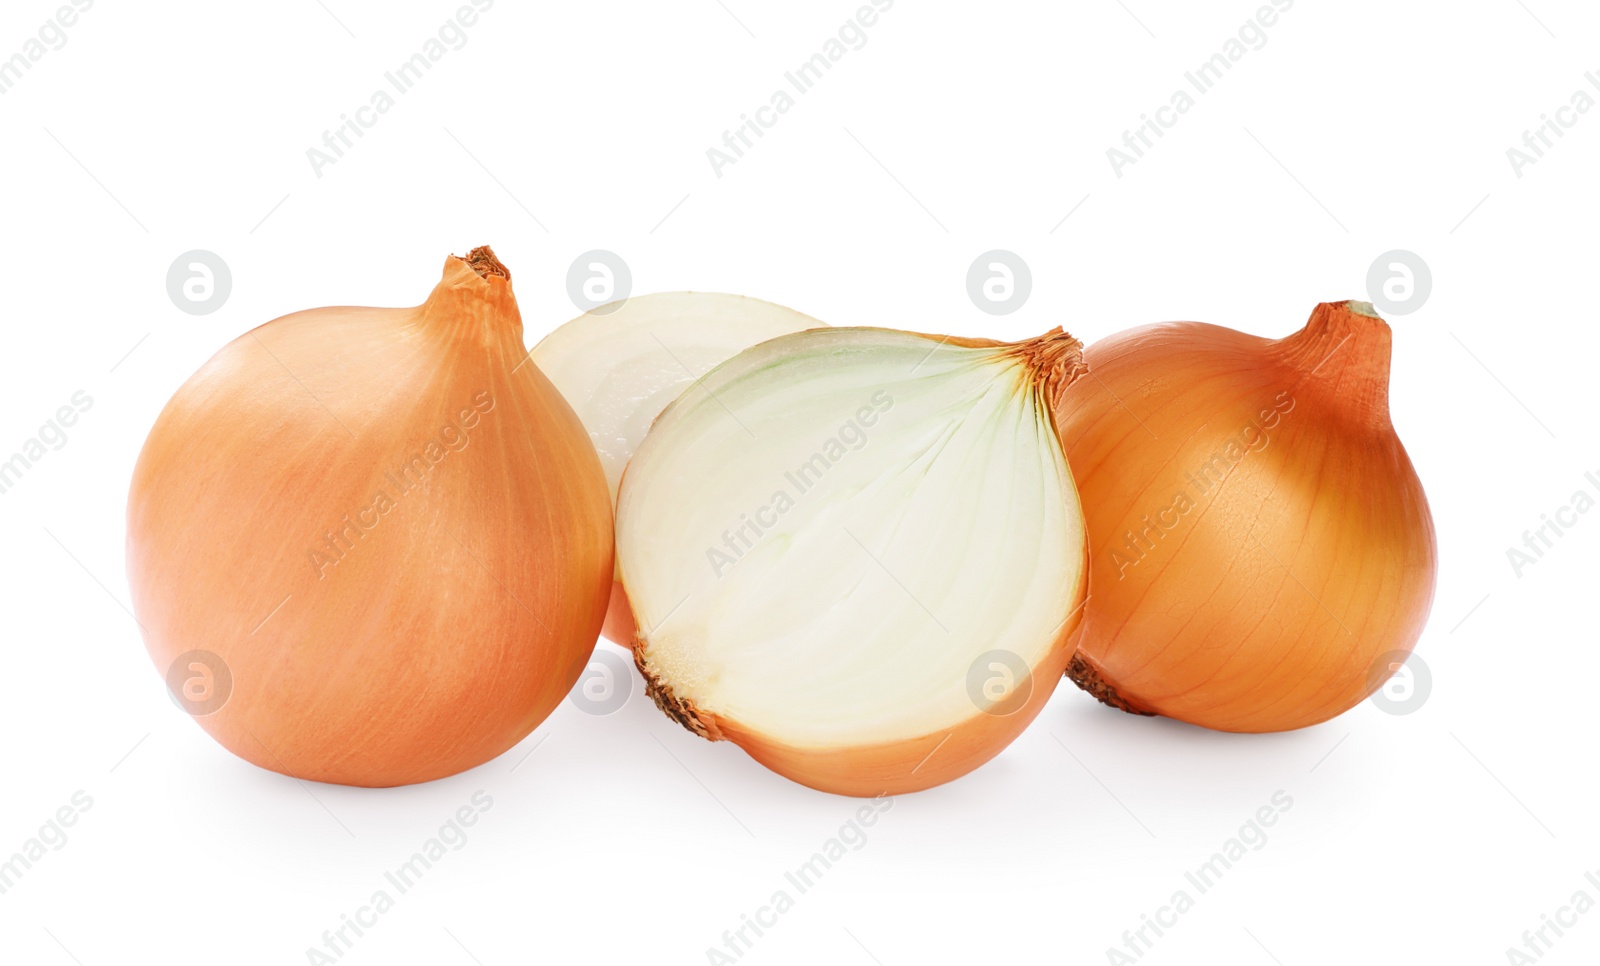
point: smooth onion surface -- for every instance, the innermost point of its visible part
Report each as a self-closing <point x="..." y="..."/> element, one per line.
<point x="388" y="531"/>
<point x="1263" y="556"/>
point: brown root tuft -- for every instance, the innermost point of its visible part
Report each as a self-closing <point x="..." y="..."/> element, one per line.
<point x="678" y="709"/>
<point x="1084" y="675"/>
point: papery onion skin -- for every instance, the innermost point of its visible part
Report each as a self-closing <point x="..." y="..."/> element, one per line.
<point x="1265" y="601"/>
<point x="923" y="761"/>
<point x="436" y="633"/>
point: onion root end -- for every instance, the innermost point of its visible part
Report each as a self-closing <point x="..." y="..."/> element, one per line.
<point x="1085" y="676"/>
<point x="678" y="709"/>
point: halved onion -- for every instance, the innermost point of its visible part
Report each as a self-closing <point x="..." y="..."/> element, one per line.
<point x="621" y="364"/>
<point x="846" y="551"/>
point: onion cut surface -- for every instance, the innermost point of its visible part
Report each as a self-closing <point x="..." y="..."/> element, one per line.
<point x="621" y="364"/>
<point x="858" y="553"/>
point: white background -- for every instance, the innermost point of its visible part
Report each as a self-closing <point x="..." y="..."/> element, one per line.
<point x="1359" y="127"/>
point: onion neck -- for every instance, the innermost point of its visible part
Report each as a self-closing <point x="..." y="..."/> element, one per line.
<point x="1342" y="357"/>
<point x="1055" y="360"/>
<point x="473" y="303"/>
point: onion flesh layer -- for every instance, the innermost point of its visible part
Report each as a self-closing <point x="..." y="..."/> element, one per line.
<point x="620" y="365"/>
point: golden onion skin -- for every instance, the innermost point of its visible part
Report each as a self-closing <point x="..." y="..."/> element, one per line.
<point x="1263" y="587"/>
<point x="383" y="535"/>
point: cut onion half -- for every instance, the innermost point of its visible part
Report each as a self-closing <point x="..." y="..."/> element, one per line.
<point x="618" y="366"/>
<point x="858" y="553"/>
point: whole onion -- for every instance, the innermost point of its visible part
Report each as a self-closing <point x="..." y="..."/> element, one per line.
<point x="1262" y="554"/>
<point x="372" y="546"/>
